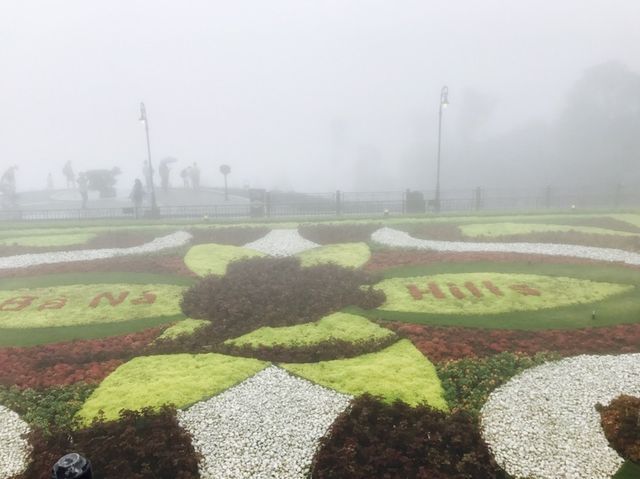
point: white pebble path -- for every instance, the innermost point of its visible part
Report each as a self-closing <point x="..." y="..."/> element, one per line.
<point x="542" y="424"/>
<point x="282" y="242"/>
<point x="14" y="449"/>
<point x="173" y="240"/>
<point x="395" y="238"/>
<point x="266" y="427"/>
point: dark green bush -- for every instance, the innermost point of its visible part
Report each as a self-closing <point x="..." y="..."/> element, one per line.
<point x="273" y="292"/>
<point x="140" y="445"/>
<point x="377" y="440"/>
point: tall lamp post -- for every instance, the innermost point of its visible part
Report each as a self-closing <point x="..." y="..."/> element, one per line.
<point x="143" y="119"/>
<point x="444" y="102"/>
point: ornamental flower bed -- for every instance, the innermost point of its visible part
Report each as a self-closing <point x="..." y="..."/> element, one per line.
<point x="620" y="420"/>
<point x="450" y="343"/>
<point x="58" y="364"/>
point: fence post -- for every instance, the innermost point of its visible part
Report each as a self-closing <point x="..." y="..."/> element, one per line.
<point x="338" y="203"/>
<point x="478" y="198"/>
<point x="267" y="203"/>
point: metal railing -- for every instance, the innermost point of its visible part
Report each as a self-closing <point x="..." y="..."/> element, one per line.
<point x="282" y="205"/>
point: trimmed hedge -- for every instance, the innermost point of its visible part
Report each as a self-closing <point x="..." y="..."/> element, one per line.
<point x="140" y="445"/>
<point x="620" y="420"/>
<point x="378" y="440"/>
<point x="273" y="292"/>
<point x="178" y="379"/>
<point x="467" y="383"/>
<point x="397" y="372"/>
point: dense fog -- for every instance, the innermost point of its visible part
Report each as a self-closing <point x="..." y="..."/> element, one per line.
<point x="324" y="95"/>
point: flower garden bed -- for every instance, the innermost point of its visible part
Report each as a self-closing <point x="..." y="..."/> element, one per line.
<point x="311" y="365"/>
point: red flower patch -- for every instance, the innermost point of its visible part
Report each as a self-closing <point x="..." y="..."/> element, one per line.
<point x="443" y="343"/>
<point x="66" y="363"/>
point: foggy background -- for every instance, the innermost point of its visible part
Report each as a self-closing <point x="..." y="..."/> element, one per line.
<point x="324" y="95"/>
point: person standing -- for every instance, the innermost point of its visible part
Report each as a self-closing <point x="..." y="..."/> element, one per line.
<point x="83" y="187"/>
<point x="185" y="174"/>
<point x="137" y="195"/>
<point x="69" y="175"/>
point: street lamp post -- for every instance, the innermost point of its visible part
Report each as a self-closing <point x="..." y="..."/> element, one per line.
<point x="444" y="102"/>
<point x="143" y="119"/>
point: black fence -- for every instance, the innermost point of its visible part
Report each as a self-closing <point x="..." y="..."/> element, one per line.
<point x="274" y="204"/>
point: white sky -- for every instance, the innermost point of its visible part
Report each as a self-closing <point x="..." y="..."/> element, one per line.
<point x="259" y="84"/>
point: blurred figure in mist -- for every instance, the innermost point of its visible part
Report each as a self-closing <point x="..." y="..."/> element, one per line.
<point x="194" y="173"/>
<point x="50" y="182"/>
<point x="164" y="172"/>
<point x="83" y="187"/>
<point x="185" y="174"/>
<point x="147" y="171"/>
<point x="137" y="195"/>
<point x="68" y="173"/>
<point x="8" y="186"/>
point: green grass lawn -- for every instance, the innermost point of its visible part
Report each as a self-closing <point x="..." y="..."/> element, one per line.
<point x="47" y="334"/>
<point x="397" y="372"/>
<point x="178" y="379"/>
<point x="491" y="293"/>
<point x="621" y="308"/>
<point x="340" y="326"/>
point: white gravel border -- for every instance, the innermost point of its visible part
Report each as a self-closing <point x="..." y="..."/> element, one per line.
<point x="396" y="238"/>
<point x="14" y="448"/>
<point x="282" y="242"/>
<point x="266" y="427"/>
<point x="173" y="240"/>
<point x="542" y="424"/>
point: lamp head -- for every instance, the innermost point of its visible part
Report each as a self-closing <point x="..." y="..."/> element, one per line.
<point x="444" y="97"/>
<point x="143" y="114"/>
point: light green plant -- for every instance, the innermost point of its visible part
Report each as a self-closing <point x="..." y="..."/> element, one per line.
<point x="339" y="326"/>
<point x="397" y="372"/>
<point x="348" y="255"/>
<point x="511" y="293"/>
<point x="178" y="379"/>
<point x="78" y="304"/>
<point x="186" y="327"/>
<point x="213" y="258"/>
<point x="495" y="230"/>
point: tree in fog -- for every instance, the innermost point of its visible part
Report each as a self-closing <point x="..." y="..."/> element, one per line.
<point x="599" y="130"/>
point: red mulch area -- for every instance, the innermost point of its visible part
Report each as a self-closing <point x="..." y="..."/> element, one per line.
<point x="157" y="264"/>
<point x="450" y="343"/>
<point x="60" y="364"/>
<point x="381" y="260"/>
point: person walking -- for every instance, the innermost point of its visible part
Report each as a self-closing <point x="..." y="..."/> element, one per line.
<point x="137" y="195"/>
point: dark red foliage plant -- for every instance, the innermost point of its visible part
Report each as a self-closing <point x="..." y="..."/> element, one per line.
<point x="440" y="343"/>
<point x="140" y="445"/>
<point x="58" y="364"/>
<point x="620" y="421"/>
<point x="274" y="292"/>
<point x="377" y="440"/>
